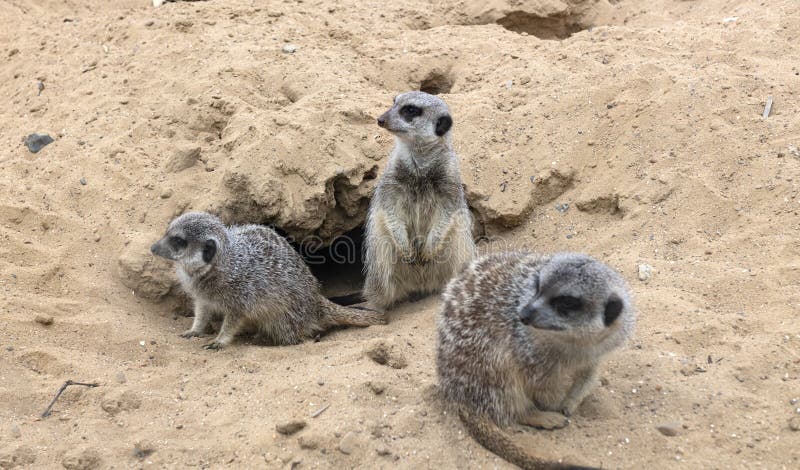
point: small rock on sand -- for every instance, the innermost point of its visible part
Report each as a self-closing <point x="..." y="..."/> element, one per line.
<point x="309" y="442"/>
<point x="16" y="433"/>
<point x="348" y="443"/>
<point x="43" y="319"/>
<point x="794" y="423"/>
<point x="36" y="142"/>
<point x="289" y="48"/>
<point x="670" y="429"/>
<point x="645" y="272"/>
<point x="290" y="427"/>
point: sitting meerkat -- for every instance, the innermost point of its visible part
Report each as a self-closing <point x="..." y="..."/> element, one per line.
<point x="419" y="228"/>
<point x="520" y="338"/>
<point x="253" y="277"/>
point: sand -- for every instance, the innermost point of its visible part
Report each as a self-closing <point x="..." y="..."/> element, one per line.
<point x="639" y="140"/>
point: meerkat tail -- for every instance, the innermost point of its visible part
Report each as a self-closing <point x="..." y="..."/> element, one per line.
<point x="490" y="436"/>
<point x="336" y="315"/>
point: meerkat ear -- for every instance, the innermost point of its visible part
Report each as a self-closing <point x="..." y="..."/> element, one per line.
<point x="443" y="124"/>
<point x="209" y="250"/>
<point x="613" y="309"/>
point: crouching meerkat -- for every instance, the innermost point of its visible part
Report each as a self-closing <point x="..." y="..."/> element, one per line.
<point x="520" y="337"/>
<point x="419" y="228"/>
<point x="252" y="277"/>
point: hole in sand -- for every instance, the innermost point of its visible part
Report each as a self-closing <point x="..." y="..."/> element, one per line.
<point x="338" y="267"/>
<point x="436" y="83"/>
<point x="547" y="27"/>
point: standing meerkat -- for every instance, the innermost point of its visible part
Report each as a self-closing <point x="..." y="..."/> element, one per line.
<point x="520" y="337"/>
<point x="419" y="228"/>
<point x="253" y="277"/>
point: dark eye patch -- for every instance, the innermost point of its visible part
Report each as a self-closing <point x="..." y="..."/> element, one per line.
<point x="564" y="304"/>
<point x="409" y="112"/>
<point x="177" y="243"/>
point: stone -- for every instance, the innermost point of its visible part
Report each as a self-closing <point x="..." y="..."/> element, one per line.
<point x="16" y="433"/>
<point x="36" y="142"/>
<point x="669" y="429"/>
<point x="385" y="352"/>
<point x="645" y="272"/>
<point x="290" y="427"/>
<point x="43" y="319"/>
<point x="348" y="443"/>
<point x="376" y="387"/>
<point x="794" y="423"/>
<point x="289" y="48"/>
<point x="309" y="442"/>
<point x="120" y="377"/>
<point x="150" y="277"/>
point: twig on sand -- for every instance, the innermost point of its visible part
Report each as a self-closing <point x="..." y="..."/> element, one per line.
<point x="61" y="390"/>
<point x="320" y="411"/>
<point x="768" y="107"/>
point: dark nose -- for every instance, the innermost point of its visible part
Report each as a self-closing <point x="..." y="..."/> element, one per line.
<point x="527" y="314"/>
<point x="153" y="248"/>
<point x="382" y="121"/>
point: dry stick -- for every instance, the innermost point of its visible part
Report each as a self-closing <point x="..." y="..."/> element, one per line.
<point x="61" y="390"/>
<point x="319" y="411"/>
<point x="768" y="107"/>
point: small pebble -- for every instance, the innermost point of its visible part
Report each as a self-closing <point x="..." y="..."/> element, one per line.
<point x="83" y="181"/>
<point x="348" y="443"/>
<point x="794" y="423"/>
<point x="562" y="207"/>
<point x="289" y="48"/>
<point x="645" y="272"/>
<point x="120" y="377"/>
<point x="308" y="442"/>
<point x="383" y="451"/>
<point x="670" y="429"/>
<point x="320" y="382"/>
<point x="45" y="320"/>
<point x="290" y="427"/>
<point x="376" y="387"/>
<point x="36" y="142"/>
<point x="16" y="433"/>
<point x="794" y="401"/>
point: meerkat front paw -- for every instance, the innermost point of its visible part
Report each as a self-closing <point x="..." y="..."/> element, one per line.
<point x="215" y="345"/>
<point x="568" y="409"/>
<point x="191" y="334"/>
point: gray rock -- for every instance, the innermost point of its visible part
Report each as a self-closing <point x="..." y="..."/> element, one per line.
<point x="43" y="319"/>
<point x="348" y="443"/>
<point x="669" y="429"/>
<point x="289" y="48"/>
<point x="290" y="427"/>
<point x="82" y="181"/>
<point x="16" y="433"/>
<point x="120" y="377"/>
<point x="794" y="423"/>
<point x="36" y="142"/>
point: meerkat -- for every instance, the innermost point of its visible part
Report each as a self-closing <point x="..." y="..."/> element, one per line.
<point x="252" y="277"/>
<point x="520" y="338"/>
<point x="419" y="228"/>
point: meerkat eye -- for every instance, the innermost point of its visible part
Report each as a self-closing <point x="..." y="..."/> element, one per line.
<point x="565" y="304"/>
<point x="177" y="243"/>
<point x="409" y="112"/>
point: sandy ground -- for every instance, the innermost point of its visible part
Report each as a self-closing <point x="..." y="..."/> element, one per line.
<point x="640" y="141"/>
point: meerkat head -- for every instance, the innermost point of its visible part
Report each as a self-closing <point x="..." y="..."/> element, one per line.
<point x="417" y="117"/>
<point x="194" y="240"/>
<point x="574" y="294"/>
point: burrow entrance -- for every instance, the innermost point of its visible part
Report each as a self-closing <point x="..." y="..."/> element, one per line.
<point x="543" y="27"/>
<point x="437" y="83"/>
<point x="339" y="267"/>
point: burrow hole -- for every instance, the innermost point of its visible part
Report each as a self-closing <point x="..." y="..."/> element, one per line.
<point x="543" y="27"/>
<point x="339" y="266"/>
<point x="437" y="83"/>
